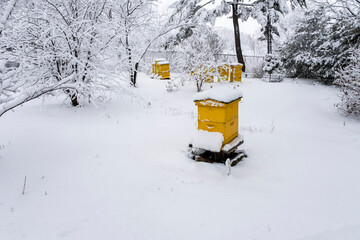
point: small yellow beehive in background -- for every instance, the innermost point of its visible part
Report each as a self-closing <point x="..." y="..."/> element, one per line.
<point x="161" y="68"/>
<point x="235" y="72"/>
<point x="218" y="111"/>
<point x="164" y="70"/>
<point x="153" y="68"/>
<point x="155" y="65"/>
<point x="224" y="71"/>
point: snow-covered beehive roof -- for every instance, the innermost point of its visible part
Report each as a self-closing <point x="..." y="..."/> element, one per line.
<point x="163" y="62"/>
<point x="220" y="94"/>
<point x="236" y="64"/>
<point x="159" y="59"/>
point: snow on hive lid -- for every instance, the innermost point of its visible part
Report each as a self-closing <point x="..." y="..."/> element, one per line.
<point x="220" y="94"/>
<point x="236" y="64"/>
<point x="163" y="62"/>
<point x="159" y="59"/>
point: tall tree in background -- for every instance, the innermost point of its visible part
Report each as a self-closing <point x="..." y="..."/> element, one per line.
<point x="323" y="40"/>
<point x="194" y="11"/>
<point x="235" y="15"/>
<point x="133" y="18"/>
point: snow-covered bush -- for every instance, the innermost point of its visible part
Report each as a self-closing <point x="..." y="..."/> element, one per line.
<point x="172" y="86"/>
<point x="257" y="70"/>
<point x="349" y="80"/>
<point x="272" y="64"/>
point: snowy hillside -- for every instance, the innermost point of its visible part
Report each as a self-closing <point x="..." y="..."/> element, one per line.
<point x="121" y="171"/>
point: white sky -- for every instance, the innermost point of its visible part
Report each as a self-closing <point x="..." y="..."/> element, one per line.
<point x="249" y="27"/>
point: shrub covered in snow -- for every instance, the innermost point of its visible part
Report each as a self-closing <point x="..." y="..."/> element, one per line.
<point x="172" y="86"/>
<point x="257" y="70"/>
<point x="273" y="64"/>
<point x="349" y="80"/>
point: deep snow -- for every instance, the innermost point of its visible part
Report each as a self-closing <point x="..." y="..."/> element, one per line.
<point x="121" y="171"/>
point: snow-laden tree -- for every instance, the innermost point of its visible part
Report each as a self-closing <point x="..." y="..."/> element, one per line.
<point x="349" y="80"/>
<point x="198" y="55"/>
<point x="193" y="13"/>
<point x="135" y="21"/>
<point x="58" y="45"/>
<point x="300" y="51"/>
<point x="322" y="41"/>
<point x="6" y="7"/>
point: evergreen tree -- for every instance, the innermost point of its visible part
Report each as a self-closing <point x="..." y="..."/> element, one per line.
<point x="321" y="44"/>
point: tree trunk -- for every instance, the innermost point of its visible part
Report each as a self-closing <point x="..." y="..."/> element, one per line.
<point x="74" y="100"/>
<point x="269" y="35"/>
<point x="135" y="73"/>
<point x="239" y="55"/>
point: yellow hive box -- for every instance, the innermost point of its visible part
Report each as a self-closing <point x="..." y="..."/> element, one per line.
<point x="164" y="70"/>
<point x="235" y="72"/>
<point x="216" y="111"/>
<point x="224" y="71"/>
<point x="156" y="65"/>
<point x="228" y="129"/>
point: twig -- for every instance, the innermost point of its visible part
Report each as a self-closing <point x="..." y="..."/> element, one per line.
<point x="24" y="186"/>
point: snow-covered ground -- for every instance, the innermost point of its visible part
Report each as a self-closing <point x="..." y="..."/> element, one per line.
<point x="121" y="171"/>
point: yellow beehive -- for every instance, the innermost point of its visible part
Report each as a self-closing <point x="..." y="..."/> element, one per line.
<point x="156" y="65"/>
<point x="235" y="72"/>
<point x="164" y="70"/>
<point x="224" y="71"/>
<point x="219" y="114"/>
